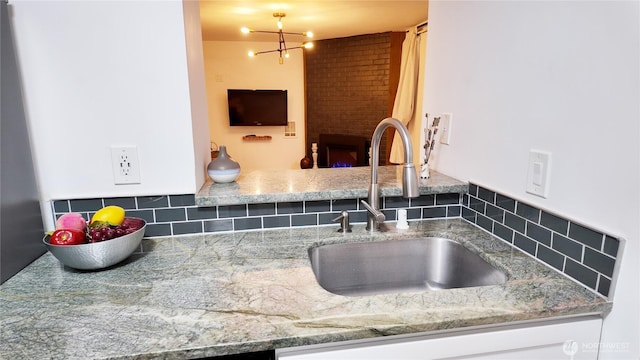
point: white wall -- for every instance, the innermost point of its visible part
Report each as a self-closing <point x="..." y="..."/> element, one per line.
<point x="228" y="67"/>
<point x="197" y="91"/>
<point x="105" y="73"/>
<point x="556" y="76"/>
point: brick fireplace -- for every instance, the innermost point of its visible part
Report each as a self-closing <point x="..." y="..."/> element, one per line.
<point x="350" y="85"/>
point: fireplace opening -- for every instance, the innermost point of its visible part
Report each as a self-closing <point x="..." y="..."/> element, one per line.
<point x="335" y="150"/>
<point x="341" y="156"/>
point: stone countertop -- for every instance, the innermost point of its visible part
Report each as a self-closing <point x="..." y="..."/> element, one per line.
<point x="317" y="184"/>
<point x="208" y="295"/>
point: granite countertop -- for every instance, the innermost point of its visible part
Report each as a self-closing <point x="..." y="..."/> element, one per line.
<point x="317" y="184"/>
<point x="216" y="294"/>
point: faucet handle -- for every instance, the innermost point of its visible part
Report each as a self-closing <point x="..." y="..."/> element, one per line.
<point x="377" y="214"/>
<point x="344" y="221"/>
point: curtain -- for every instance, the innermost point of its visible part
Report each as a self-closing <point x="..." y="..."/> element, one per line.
<point x="405" y="101"/>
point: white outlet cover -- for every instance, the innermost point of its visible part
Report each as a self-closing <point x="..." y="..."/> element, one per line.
<point x="539" y="172"/>
<point x="125" y="165"/>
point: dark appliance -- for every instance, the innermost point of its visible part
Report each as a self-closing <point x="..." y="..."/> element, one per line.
<point x="21" y="229"/>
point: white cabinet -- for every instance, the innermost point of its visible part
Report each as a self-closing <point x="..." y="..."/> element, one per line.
<point x="574" y="339"/>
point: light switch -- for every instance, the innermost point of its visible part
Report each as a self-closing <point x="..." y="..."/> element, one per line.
<point x="538" y="174"/>
<point x="446" y="120"/>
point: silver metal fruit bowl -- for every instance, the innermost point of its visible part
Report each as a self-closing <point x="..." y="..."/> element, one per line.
<point x="97" y="255"/>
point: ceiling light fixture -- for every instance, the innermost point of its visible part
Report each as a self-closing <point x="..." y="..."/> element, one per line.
<point x="282" y="49"/>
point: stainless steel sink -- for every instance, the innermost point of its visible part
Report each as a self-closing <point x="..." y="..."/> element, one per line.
<point x="400" y="265"/>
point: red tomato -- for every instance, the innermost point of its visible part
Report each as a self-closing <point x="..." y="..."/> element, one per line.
<point x="67" y="237"/>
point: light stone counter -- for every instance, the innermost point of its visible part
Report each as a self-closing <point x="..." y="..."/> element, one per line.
<point x="317" y="184"/>
<point x="210" y="295"/>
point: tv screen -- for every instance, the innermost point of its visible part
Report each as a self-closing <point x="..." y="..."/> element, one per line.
<point x="257" y="107"/>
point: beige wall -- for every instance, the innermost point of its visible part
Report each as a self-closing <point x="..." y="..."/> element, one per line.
<point x="227" y="66"/>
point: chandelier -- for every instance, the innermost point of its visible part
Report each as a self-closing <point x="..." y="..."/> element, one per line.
<point x="282" y="49"/>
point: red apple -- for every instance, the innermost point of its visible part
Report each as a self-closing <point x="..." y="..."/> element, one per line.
<point x="67" y="237"/>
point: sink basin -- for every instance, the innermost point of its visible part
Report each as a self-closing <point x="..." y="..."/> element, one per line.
<point x="429" y="263"/>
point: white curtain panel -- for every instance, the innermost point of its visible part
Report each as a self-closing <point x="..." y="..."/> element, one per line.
<point x="405" y="103"/>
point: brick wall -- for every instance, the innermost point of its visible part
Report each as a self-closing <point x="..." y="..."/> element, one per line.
<point x="347" y="86"/>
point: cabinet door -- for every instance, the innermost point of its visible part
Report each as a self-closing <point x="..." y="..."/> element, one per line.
<point x="576" y="340"/>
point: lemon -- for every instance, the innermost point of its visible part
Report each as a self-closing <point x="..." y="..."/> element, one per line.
<point x="112" y="215"/>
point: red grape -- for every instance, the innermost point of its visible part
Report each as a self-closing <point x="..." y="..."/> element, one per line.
<point x="104" y="231"/>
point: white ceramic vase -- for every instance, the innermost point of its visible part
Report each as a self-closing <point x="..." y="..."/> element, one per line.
<point x="223" y="169"/>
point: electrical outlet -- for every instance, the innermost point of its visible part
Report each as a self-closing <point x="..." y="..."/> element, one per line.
<point x="125" y="165"/>
<point x="445" y="128"/>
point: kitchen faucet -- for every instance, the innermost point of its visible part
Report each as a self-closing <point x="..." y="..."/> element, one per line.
<point x="409" y="174"/>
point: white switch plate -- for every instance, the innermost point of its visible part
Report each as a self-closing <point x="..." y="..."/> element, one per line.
<point x="446" y="120"/>
<point x="125" y="165"/>
<point x="539" y="173"/>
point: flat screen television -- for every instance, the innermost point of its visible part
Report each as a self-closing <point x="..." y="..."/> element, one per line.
<point x="257" y="107"/>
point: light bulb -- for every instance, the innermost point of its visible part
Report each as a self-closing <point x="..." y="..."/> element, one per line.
<point x="245" y="30"/>
<point x="252" y="53"/>
<point x="308" y="34"/>
<point x="286" y="55"/>
<point x="280" y="24"/>
<point x="307" y="45"/>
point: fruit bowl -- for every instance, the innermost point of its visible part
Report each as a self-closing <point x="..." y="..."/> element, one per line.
<point x="97" y="255"/>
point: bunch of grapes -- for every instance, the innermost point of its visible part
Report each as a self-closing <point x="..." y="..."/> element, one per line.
<point x="102" y="231"/>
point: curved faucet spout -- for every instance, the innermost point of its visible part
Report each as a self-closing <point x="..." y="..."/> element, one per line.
<point x="409" y="174"/>
<point x="377" y="138"/>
